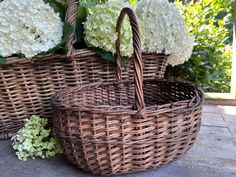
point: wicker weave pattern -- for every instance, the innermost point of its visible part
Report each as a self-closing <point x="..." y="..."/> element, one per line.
<point x="105" y="140"/>
<point x="26" y="86"/>
<point x="107" y="129"/>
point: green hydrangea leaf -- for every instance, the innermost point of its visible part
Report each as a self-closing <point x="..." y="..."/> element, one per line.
<point x="81" y="12"/>
<point x="110" y="56"/>
<point x="67" y="31"/>
<point x="2" y="60"/>
<point x="79" y="29"/>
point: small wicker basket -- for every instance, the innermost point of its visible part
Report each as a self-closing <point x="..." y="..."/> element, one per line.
<point x="110" y="128"/>
<point x="26" y="86"/>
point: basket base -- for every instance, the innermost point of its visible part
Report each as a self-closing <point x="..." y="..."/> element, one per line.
<point x="5" y="136"/>
<point x="102" y="133"/>
<point x="122" y="158"/>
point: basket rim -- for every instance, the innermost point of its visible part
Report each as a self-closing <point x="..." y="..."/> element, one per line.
<point x="175" y="108"/>
<point x="194" y="103"/>
<point x="79" y="53"/>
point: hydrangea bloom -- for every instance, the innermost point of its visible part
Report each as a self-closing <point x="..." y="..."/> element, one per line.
<point x="100" y="28"/>
<point x="165" y="30"/>
<point x="34" y="140"/>
<point x="28" y="27"/>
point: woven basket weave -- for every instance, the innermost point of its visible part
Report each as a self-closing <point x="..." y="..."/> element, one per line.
<point x="110" y="128"/>
<point x="26" y="86"/>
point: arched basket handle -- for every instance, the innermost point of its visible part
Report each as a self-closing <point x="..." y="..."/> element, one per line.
<point x="71" y="18"/>
<point x="138" y="68"/>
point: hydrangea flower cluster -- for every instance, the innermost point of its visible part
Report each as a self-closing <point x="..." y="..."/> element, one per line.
<point x="28" y="27"/>
<point x="100" y="28"/>
<point x="165" y="30"/>
<point x="34" y="140"/>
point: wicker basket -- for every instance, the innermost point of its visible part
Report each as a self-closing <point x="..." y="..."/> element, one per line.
<point x="106" y="128"/>
<point x="26" y="86"/>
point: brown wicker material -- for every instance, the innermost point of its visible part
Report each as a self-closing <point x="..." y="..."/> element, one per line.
<point x="110" y="128"/>
<point x="26" y="86"/>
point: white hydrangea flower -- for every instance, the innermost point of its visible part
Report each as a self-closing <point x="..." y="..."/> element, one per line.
<point x="100" y="27"/>
<point x="28" y="27"/>
<point x="165" y="30"/>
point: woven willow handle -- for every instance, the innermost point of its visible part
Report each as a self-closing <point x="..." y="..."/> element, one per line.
<point x="71" y="18"/>
<point x="138" y="68"/>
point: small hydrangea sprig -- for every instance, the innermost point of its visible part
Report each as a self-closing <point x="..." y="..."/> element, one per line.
<point x="100" y="29"/>
<point x="33" y="140"/>
<point x="32" y="28"/>
<point x="165" y="30"/>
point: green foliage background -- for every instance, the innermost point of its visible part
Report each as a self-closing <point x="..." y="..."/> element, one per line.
<point x="211" y="22"/>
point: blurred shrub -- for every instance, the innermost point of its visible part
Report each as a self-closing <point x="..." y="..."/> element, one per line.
<point x="210" y="21"/>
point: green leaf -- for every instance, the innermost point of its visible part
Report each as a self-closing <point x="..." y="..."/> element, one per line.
<point x="2" y="60"/>
<point x="79" y="31"/>
<point x="82" y="12"/>
<point x="80" y="19"/>
<point x="108" y="56"/>
<point x="105" y="55"/>
<point x="68" y="29"/>
<point x="210" y="21"/>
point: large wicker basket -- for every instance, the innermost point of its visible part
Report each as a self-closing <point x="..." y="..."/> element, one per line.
<point x="26" y="86"/>
<point x="109" y="128"/>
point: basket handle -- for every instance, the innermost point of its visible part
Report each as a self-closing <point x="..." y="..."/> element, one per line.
<point x="138" y="68"/>
<point x="71" y="14"/>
